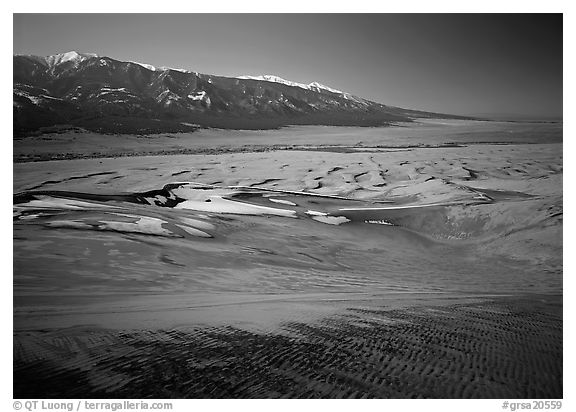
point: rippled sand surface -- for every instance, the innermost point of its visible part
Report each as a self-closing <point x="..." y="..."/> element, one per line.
<point x="429" y="265"/>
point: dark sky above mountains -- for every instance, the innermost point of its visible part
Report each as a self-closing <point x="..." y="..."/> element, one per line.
<point x="506" y="64"/>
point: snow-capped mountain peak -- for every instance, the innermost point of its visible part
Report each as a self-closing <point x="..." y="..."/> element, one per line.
<point x="321" y="86"/>
<point x="177" y="69"/>
<point x="74" y="56"/>
<point x="314" y="86"/>
<point x="146" y="66"/>
<point x="275" y="79"/>
<point x="160" y="69"/>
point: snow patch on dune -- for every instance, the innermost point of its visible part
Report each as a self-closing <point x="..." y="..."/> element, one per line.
<point x="144" y="224"/>
<point x="331" y="220"/>
<point x="49" y="202"/>
<point x="284" y="202"/>
<point x="217" y="204"/>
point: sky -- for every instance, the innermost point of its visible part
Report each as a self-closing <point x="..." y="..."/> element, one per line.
<point x="470" y="64"/>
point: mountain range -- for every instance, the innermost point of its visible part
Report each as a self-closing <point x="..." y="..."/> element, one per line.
<point x="106" y="95"/>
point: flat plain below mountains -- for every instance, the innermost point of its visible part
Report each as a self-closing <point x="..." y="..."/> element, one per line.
<point x="419" y="260"/>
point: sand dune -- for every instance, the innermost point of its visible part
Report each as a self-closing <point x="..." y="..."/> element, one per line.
<point x="374" y="266"/>
<point x="499" y="348"/>
<point x="513" y="186"/>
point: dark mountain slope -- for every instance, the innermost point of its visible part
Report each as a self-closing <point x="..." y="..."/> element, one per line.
<point x="111" y="96"/>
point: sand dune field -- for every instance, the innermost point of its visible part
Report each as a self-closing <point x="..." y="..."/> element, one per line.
<point x="417" y="261"/>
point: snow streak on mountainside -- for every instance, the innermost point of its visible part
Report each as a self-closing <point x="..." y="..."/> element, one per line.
<point x="276" y="79"/>
<point x="111" y="96"/>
